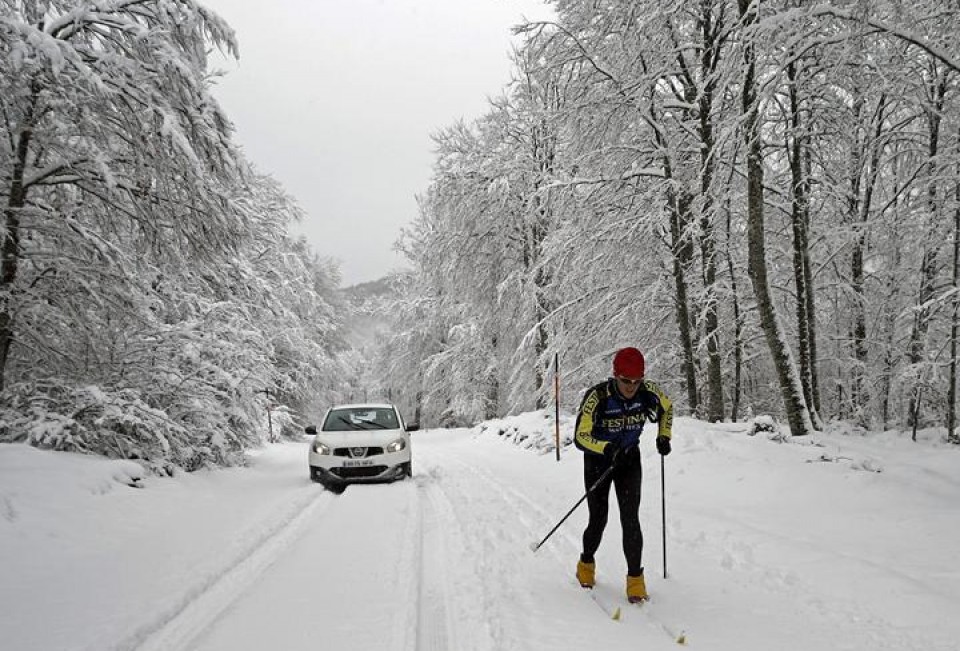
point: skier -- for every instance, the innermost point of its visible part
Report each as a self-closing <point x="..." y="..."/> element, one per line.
<point x="609" y="423"/>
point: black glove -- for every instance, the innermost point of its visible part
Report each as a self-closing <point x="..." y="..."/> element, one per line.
<point x="651" y="406"/>
<point x="663" y="445"/>
<point x="611" y="452"/>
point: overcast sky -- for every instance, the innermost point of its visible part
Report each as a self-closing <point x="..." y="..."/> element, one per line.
<point x="337" y="100"/>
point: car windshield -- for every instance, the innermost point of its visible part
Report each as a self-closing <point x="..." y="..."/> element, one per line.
<point x="360" y="418"/>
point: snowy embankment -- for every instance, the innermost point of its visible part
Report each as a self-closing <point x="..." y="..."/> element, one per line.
<point x="839" y="542"/>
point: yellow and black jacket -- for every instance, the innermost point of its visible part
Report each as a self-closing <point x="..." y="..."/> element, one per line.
<point x="605" y="416"/>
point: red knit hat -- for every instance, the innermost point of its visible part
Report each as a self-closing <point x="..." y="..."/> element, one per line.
<point x="628" y="362"/>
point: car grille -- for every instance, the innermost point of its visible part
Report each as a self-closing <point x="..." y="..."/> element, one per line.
<point x="358" y="472"/>
<point x="345" y="452"/>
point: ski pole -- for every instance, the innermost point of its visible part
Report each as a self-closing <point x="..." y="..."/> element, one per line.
<point x="663" y="509"/>
<point x="606" y="473"/>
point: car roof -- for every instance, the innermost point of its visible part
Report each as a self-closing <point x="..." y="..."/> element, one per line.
<point x="365" y="405"/>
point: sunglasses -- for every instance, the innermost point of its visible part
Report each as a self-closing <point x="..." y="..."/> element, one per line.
<point x="628" y="382"/>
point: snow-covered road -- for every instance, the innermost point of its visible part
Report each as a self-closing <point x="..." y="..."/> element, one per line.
<point x="434" y="564"/>
<point x="844" y="543"/>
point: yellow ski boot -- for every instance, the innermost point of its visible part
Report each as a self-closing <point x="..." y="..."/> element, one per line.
<point x="586" y="574"/>
<point x="636" y="589"/>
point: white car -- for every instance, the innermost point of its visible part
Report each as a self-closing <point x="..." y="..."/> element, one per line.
<point x="360" y="443"/>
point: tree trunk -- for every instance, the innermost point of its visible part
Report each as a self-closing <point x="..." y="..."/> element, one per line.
<point x="681" y="250"/>
<point x="543" y="154"/>
<point x="811" y="304"/>
<point x="801" y="255"/>
<point x="798" y="416"/>
<point x="10" y="249"/>
<point x="708" y="62"/>
<point x="860" y="216"/>
<point x="737" y="329"/>
<point x="493" y="386"/>
<point x="891" y="300"/>
<point x="682" y="254"/>
<point x="418" y="406"/>
<point x="929" y="264"/>
<point x="954" y="328"/>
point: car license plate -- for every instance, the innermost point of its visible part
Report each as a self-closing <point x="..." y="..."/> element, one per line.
<point x="353" y="463"/>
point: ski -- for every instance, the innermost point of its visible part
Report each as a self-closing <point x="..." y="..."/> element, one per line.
<point x="610" y="609"/>
<point x="679" y="638"/>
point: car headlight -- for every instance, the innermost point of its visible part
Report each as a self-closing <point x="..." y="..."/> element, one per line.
<point x="396" y="446"/>
<point x="319" y="448"/>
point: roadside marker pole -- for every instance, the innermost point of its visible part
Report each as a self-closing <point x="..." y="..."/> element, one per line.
<point x="556" y="402"/>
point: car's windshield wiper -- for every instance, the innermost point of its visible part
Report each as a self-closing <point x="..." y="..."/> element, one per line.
<point x="348" y="422"/>
<point x="375" y="424"/>
<point x="362" y="424"/>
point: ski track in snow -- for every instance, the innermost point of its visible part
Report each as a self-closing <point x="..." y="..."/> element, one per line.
<point x="445" y="549"/>
<point x="717" y="544"/>
<point x="482" y="608"/>
<point x="564" y="546"/>
<point x="202" y="604"/>
<point x="453" y="583"/>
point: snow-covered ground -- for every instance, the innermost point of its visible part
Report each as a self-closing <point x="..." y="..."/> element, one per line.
<point x="838" y="542"/>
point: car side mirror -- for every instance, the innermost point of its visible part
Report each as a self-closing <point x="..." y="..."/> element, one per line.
<point x="310" y="429"/>
<point x="412" y="428"/>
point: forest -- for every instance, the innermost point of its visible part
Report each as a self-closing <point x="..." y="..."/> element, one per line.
<point x="153" y="303"/>
<point x="763" y="196"/>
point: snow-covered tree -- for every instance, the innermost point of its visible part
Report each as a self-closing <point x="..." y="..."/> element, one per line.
<point x="701" y="142"/>
<point x="152" y="304"/>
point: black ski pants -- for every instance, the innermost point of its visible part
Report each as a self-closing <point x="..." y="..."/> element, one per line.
<point x="626" y="479"/>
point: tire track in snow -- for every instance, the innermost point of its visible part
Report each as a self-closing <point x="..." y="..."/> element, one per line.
<point x="203" y="603"/>
<point x="435" y="628"/>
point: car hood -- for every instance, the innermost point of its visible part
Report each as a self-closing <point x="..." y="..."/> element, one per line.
<point x="360" y="438"/>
